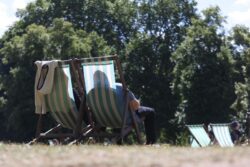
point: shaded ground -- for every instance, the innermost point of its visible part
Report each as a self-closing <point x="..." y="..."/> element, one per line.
<point x="121" y="156"/>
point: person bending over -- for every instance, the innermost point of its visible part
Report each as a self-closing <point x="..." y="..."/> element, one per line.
<point x="147" y="113"/>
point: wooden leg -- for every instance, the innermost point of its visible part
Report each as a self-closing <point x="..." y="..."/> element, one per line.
<point x="39" y="125"/>
<point x="38" y="130"/>
<point x="138" y="134"/>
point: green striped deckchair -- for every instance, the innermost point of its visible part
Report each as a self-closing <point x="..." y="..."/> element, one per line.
<point x="109" y="108"/>
<point x="61" y="102"/>
<point x="222" y="134"/>
<point x="61" y="105"/>
<point x="200" y="137"/>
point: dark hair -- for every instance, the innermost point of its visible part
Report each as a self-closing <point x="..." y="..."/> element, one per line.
<point x="234" y="124"/>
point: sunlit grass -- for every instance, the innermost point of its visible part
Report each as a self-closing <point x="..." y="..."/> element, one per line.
<point x="113" y="155"/>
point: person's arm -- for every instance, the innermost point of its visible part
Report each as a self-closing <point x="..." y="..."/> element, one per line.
<point x="134" y="103"/>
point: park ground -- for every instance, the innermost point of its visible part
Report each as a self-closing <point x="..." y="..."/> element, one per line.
<point x="21" y="155"/>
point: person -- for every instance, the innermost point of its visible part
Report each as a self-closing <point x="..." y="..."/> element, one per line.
<point x="101" y="80"/>
<point x="147" y="113"/>
<point x="235" y="131"/>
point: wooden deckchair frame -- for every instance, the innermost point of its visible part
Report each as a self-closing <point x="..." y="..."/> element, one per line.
<point x="55" y="131"/>
<point x="81" y="83"/>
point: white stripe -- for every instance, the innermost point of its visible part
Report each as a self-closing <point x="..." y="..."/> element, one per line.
<point x="87" y="78"/>
<point x="110" y="72"/>
<point x="103" y="92"/>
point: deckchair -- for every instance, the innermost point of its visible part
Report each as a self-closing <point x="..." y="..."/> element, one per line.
<point x="222" y="134"/>
<point x="200" y="136"/>
<point x="194" y="143"/>
<point x="109" y="108"/>
<point x="60" y="103"/>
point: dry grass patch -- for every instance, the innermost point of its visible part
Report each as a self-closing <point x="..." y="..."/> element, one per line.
<point x="16" y="155"/>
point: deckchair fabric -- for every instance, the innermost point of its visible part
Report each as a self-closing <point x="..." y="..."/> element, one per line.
<point x="60" y="102"/>
<point x="107" y="101"/>
<point x="194" y="143"/>
<point x="200" y="135"/>
<point x="100" y="87"/>
<point x="222" y="134"/>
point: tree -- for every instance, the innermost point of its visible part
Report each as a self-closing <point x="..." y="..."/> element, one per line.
<point x="163" y="25"/>
<point x="53" y="29"/>
<point x="203" y="72"/>
<point x="164" y="45"/>
<point x="240" y="40"/>
<point x="113" y="19"/>
<point x="60" y="41"/>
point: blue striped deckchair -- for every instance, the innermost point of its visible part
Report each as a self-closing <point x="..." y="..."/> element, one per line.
<point x="200" y="137"/>
<point x="61" y="104"/>
<point x="222" y="134"/>
<point x="109" y="108"/>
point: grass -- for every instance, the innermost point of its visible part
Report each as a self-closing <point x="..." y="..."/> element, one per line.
<point x="20" y="155"/>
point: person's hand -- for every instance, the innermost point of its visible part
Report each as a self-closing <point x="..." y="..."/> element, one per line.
<point x="134" y="105"/>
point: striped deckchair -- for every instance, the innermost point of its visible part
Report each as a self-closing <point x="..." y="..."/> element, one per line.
<point x="222" y="134"/>
<point x="200" y="137"/>
<point x="109" y="108"/>
<point x="194" y="143"/>
<point x="60" y="103"/>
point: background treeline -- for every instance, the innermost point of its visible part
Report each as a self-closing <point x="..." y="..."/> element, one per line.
<point x="177" y="60"/>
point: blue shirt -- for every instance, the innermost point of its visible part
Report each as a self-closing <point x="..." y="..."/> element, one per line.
<point x="119" y="91"/>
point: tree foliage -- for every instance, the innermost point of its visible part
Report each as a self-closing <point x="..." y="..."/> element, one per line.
<point x="240" y="38"/>
<point x="163" y="24"/>
<point x="59" y="41"/>
<point x="175" y="60"/>
<point x="203" y="72"/>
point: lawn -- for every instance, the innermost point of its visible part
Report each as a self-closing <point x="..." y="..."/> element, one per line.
<point x="18" y="155"/>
